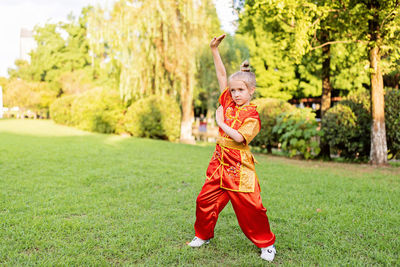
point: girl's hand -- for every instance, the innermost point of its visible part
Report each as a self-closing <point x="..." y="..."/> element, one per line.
<point x="234" y="134"/>
<point x="216" y="41"/>
<point x="219" y="115"/>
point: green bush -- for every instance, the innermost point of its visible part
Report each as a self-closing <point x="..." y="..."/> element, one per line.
<point x="60" y="110"/>
<point x="98" y="110"/>
<point x="360" y="103"/>
<point x="33" y="96"/>
<point x="340" y="131"/>
<point x="269" y="109"/>
<point x="347" y="126"/>
<point x="298" y="132"/>
<point x="392" y="121"/>
<point x="154" y="117"/>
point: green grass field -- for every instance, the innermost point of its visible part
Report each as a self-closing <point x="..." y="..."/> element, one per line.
<point x="69" y="197"/>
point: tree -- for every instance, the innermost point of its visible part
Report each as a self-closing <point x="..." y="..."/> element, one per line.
<point x="383" y="36"/>
<point x="299" y="28"/>
<point x="34" y="96"/>
<point x="61" y="48"/>
<point x="154" y="46"/>
<point x="375" y="23"/>
<point x="268" y="46"/>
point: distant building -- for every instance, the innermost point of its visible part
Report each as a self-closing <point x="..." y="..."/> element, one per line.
<point x="26" y="45"/>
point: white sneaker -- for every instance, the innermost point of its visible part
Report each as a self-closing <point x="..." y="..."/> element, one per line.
<point x="198" y="242"/>
<point x="268" y="253"/>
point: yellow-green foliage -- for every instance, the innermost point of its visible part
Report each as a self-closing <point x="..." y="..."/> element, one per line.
<point x="154" y="117"/>
<point x="35" y="96"/>
<point x="60" y="110"/>
<point x="97" y="110"/>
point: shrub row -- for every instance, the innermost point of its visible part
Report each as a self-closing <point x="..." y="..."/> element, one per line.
<point x="100" y="110"/>
<point x="346" y="127"/>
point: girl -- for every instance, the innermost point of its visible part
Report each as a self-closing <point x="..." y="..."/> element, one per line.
<point x="231" y="173"/>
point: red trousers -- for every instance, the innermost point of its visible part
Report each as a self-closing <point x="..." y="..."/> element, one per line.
<point x="248" y="207"/>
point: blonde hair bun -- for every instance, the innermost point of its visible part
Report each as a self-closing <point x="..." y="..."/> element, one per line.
<point x="244" y="75"/>
<point x="245" y="67"/>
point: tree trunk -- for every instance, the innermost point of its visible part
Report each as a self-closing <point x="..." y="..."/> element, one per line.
<point x="378" y="155"/>
<point x="187" y="118"/>
<point x="326" y="90"/>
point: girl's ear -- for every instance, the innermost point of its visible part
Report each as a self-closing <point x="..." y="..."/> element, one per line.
<point x="252" y="90"/>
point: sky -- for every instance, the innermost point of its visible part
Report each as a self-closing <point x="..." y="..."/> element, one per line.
<point x="17" y="14"/>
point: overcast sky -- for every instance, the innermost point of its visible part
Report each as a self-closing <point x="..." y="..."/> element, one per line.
<point x="17" y="14"/>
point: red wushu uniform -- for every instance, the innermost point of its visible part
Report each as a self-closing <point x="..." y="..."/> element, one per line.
<point x="231" y="176"/>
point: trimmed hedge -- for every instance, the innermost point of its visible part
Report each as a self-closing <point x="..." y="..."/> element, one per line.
<point x="97" y="110"/>
<point x="347" y="126"/>
<point x="298" y="132"/>
<point x="154" y="117"/>
<point x="392" y="121"/>
<point x="269" y="109"/>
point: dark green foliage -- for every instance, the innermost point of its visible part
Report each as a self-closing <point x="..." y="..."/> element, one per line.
<point x="269" y="109"/>
<point x="347" y="126"/>
<point x="154" y="117"/>
<point x="339" y="126"/>
<point x="360" y="103"/>
<point x="60" y="110"/>
<point x="298" y="132"/>
<point x="392" y="120"/>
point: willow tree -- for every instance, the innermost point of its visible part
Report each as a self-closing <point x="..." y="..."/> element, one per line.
<point x="153" y="46"/>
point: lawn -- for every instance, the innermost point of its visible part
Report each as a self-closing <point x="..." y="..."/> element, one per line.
<point x="69" y="197"/>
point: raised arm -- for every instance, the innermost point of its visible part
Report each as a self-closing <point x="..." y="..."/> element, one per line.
<point x="219" y="66"/>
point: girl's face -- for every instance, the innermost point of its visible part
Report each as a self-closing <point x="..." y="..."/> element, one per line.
<point x="240" y="93"/>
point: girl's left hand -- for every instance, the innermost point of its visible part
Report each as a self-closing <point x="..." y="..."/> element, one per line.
<point x="219" y="115"/>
